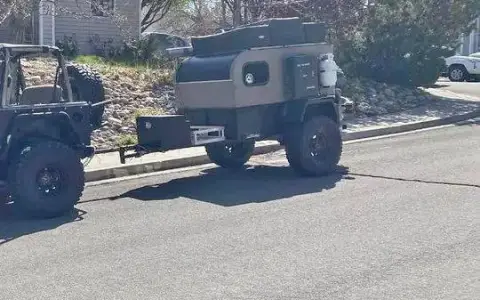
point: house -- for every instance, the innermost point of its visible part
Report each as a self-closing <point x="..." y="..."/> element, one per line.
<point x="470" y="43"/>
<point x="82" y="20"/>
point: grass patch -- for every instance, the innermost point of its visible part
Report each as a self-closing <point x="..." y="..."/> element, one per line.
<point x="126" y="140"/>
<point x="117" y="70"/>
<point x="147" y="112"/>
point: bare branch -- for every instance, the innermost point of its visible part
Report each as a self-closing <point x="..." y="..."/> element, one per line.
<point x="156" y="10"/>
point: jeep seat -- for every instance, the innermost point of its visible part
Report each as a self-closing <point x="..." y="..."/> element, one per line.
<point x="41" y="94"/>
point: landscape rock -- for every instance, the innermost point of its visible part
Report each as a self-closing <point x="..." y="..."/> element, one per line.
<point x="372" y="98"/>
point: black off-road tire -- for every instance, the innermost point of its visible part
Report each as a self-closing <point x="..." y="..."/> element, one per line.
<point x="87" y="85"/>
<point x="27" y="169"/>
<point x="230" y="155"/>
<point x="299" y="151"/>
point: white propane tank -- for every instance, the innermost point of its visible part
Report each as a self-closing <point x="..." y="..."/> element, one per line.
<point x="328" y="70"/>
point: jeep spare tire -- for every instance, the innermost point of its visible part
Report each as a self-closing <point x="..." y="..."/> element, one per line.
<point x="87" y="85"/>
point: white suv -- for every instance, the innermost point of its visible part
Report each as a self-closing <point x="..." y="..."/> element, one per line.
<point x="461" y="68"/>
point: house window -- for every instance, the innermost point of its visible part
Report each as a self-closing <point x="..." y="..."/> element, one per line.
<point x="255" y="73"/>
<point x="102" y="8"/>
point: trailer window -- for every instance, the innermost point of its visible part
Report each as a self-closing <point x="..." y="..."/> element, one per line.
<point x="256" y="73"/>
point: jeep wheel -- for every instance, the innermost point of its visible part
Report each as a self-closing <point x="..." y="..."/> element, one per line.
<point x="314" y="148"/>
<point x="87" y="85"/>
<point x="230" y="155"/>
<point x="457" y="73"/>
<point x="46" y="180"/>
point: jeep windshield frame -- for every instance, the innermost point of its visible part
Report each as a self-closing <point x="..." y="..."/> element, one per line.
<point x="12" y="52"/>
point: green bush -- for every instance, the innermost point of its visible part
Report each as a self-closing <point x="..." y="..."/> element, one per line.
<point x="68" y="45"/>
<point x="405" y="42"/>
<point x="133" y="52"/>
<point x="396" y="54"/>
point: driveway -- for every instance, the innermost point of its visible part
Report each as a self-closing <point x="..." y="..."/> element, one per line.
<point x="467" y="88"/>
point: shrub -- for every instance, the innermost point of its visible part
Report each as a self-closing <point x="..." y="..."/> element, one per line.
<point x="397" y="54"/>
<point x="68" y="45"/>
<point x="133" y="52"/>
<point x="405" y="42"/>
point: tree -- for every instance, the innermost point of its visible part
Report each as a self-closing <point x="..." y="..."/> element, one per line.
<point x="156" y="10"/>
<point x="10" y="8"/>
<point x="405" y="41"/>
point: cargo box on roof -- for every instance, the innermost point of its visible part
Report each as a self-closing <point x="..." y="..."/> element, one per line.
<point x="267" y="33"/>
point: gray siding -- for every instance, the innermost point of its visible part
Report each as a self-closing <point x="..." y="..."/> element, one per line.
<point x="471" y="45"/>
<point x="5" y="36"/>
<point x="76" y="19"/>
<point x="48" y="24"/>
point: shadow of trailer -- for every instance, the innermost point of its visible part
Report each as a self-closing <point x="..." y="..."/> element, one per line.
<point x="273" y="80"/>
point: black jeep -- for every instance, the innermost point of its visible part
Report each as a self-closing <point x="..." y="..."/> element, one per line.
<point x="45" y="131"/>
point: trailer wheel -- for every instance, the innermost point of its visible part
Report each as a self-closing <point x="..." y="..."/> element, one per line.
<point x="314" y="147"/>
<point x="230" y="155"/>
<point x="46" y="180"/>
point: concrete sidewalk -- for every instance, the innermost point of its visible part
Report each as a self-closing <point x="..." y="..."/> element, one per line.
<point x="449" y="110"/>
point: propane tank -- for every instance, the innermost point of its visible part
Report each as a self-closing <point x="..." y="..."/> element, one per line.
<point x="328" y="70"/>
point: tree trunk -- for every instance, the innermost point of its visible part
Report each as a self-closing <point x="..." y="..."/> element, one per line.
<point x="237" y="13"/>
<point x="224" y="13"/>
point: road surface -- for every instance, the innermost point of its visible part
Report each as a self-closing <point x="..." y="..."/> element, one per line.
<point x="400" y="220"/>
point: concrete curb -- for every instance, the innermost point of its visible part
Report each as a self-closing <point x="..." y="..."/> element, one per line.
<point x="150" y="167"/>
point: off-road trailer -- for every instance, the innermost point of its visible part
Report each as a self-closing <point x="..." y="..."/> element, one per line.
<point x="271" y="80"/>
<point x="45" y="131"/>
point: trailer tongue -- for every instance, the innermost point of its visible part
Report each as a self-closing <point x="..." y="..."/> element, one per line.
<point x="169" y="132"/>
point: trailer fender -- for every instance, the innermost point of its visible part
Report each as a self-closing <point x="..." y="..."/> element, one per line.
<point x="299" y="111"/>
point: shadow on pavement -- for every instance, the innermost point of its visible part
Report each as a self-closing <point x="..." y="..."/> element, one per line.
<point x="473" y="122"/>
<point x="12" y="226"/>
<point x="230" y="188"/>
<point x="472" y="185"/>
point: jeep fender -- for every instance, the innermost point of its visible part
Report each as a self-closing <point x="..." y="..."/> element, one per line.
<point x="57" y="126"/>
<point x="298" y="111"/>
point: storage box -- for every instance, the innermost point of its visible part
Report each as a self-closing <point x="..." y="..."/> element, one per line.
<point x="232" y="41"/>
<point x="315" y="32"/>
<point x="285" y="32"/>
<point x="163" y="132"/>
<point x="301" y="79"/>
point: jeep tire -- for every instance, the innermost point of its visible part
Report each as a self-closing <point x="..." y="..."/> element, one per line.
<point x="314" y="148"/>
<point x="230" y="155"/>
<point x="46" y="180"/>
<point x="87" y="85"/>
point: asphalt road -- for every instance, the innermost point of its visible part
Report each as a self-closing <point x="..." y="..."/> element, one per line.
<point x="467" y="88"/>
<point x="400" y="220"/>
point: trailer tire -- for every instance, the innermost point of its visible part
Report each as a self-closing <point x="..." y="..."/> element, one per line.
<point x="299" y="146"/>
<point x="39" y="165"/>
<point x="87" y="85"/>
<point x="230" y="155"/>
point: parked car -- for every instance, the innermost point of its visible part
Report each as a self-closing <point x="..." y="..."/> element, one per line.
<point x="463" y="68"/>
<point x="162" y="41"/>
